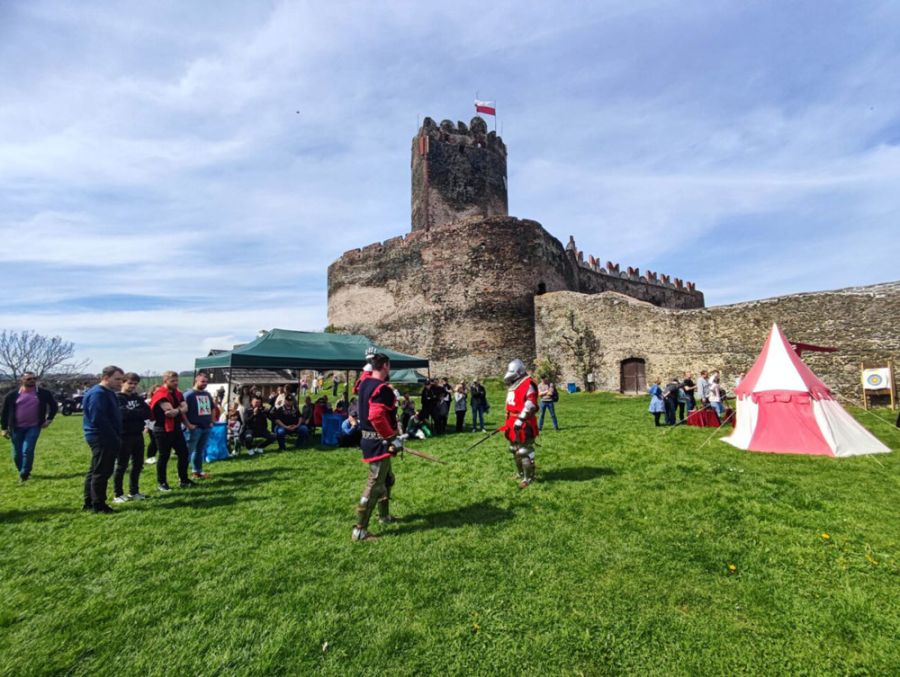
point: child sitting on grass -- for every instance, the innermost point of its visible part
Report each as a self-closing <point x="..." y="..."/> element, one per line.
<point x="417" y="427"/>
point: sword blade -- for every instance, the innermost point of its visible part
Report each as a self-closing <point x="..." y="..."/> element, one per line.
<point x="422" y="454"/>
<point x="484" y="439"/>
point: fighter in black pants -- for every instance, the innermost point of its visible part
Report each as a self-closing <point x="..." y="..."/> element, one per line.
<point x="380" y="441"/>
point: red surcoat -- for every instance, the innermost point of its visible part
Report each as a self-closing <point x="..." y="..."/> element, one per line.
<point x="525" y="391"/>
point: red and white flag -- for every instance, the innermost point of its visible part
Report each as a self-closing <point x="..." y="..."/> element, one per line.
<point x="487" y="107"/>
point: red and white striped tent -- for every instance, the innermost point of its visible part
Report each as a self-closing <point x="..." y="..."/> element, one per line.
<point x="783" y="407"/>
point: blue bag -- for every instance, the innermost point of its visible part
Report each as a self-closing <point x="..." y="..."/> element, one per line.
<point x="217" y="443"/>
<point x="331" y="428"/>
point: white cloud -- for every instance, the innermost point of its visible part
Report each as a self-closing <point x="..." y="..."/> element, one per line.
<point x="158" y="152"/>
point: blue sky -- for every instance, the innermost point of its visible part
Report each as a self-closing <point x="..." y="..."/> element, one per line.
<point x="176" y="176"/>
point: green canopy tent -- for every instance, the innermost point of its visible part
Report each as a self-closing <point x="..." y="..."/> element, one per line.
<point x="404" y="376"/>
<point x="286" y="349"/>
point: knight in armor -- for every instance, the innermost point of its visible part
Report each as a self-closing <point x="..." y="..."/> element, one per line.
<point x="380" y="442"/>
<point x="521" y="427"/>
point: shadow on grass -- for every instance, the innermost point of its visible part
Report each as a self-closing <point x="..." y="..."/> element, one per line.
<point x="254" y="476"/>
<point x="482" y="513"/>
<point x="201" y="502"/>
<point x="36" y="515"/>
<point x="64" y="476"/>
<point x="326" y="447"/>
<point x="579" y="474"/>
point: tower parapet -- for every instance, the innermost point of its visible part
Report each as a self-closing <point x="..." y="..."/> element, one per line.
<point x="457" y="171"/>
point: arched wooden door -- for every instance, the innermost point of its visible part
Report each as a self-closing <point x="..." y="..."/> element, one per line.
<point x="633" y="377"/>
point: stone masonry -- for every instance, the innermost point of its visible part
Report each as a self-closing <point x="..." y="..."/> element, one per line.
<point x="460" y="288"/>
<point x="457" y="171"/>
<point x="585" y="333"/>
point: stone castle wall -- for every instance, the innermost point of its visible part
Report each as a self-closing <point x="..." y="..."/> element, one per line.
<point x="462" y="294"/>
<point x="597" y="332"/>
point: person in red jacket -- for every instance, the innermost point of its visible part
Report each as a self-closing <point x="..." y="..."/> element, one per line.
<point x="380" y="442"/>
<point x="521" y="427"/>
<point x="168" y="409"/>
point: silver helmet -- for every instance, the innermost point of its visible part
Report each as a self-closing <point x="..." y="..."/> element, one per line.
<point x="514" y="371"/>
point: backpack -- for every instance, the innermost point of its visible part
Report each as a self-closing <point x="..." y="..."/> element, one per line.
<point x="555" y="396"/>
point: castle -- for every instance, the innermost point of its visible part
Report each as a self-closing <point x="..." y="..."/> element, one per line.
<point x="462" y="288"/>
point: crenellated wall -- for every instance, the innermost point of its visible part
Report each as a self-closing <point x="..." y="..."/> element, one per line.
<point x="592" y="284"/>
<point x="463" y="294"/>
<point x="597" y="332"/>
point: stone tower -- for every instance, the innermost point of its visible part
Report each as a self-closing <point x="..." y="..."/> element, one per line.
<point x="457" y="172"/>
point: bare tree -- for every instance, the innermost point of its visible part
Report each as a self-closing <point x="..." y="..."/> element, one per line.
<point x="29" y="351"/>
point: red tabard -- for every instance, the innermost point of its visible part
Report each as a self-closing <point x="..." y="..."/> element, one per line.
<point x="173" y="397"/>
<point x="515" y="403"/>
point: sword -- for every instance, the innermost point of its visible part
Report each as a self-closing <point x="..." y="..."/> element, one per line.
<point x="422" y="454"/>
<point x="485" y="439"/>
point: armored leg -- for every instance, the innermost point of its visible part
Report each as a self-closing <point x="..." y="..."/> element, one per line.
<point x="374" y="490"/>
<point x="525" y="457"/>
<point x="384" y="511"/>
<point x="513" y="449"/>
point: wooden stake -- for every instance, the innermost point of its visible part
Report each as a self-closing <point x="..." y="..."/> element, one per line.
<point x="862" y="376"/>
<point x="893" y="387"/>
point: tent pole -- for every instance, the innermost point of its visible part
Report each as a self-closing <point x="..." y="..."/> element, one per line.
<point x="893" y="385"/>
<point x="230" y="394"/>
<point x="862" y="376"/>
<point x="347" y="387"/>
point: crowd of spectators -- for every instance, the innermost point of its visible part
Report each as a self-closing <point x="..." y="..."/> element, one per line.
<point x="678" y="398"/>
<point x="119" y="419"/>
<point x="438" y="397"/>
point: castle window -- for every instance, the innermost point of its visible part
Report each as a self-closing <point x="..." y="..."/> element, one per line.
<point x="462" y="148"/>
<point x="542" y="288"/>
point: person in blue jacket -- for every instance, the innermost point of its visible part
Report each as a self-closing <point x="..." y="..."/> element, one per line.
<point x="102" y="426"/>
<point x="657" y="407"/>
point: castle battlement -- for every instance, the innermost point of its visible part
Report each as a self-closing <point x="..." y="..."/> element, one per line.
<point x="458" y="171"/>
<point x="612" y="269"/>
<point x="376" y="248"/>
<point x="474" y="134"/>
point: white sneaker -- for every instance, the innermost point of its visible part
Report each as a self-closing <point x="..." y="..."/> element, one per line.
<point x="150" y="461"/>
<point x="121" y="499"/>
<point x="250" y="452"/>
<point x="136" y="497"/>
<point x="259" y="451"/>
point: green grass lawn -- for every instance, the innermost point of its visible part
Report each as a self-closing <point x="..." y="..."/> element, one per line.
<point x="617" y="561"/>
